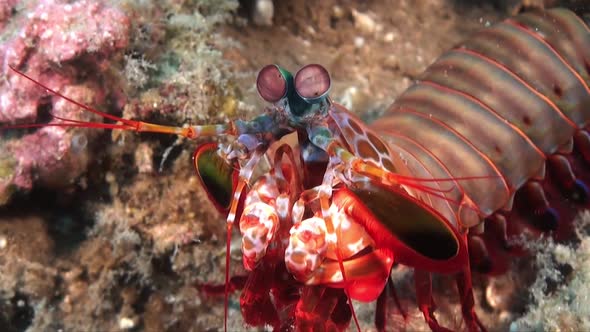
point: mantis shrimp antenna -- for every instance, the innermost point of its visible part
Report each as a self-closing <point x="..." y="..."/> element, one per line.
<point x="191" y="132"/>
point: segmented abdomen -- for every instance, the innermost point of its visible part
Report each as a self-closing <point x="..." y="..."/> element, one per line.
<point x="503" y="103"/>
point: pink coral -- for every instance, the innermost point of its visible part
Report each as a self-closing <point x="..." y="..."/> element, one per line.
<point x="57" y="42"/>
<point x="6" y="10"/>
<point x="52" y="34"/>
<point x="55" y="155"/>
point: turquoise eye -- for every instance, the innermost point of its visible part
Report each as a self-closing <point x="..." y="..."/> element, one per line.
<point x="271" y="84"/>
<point x="312" y="83"/>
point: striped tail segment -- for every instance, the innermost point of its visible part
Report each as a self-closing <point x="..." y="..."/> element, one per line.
<point x="513" y="101"/>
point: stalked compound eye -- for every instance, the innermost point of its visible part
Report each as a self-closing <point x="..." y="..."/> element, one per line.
<point x="312" y="83"/>
<point x="271" y="84"/>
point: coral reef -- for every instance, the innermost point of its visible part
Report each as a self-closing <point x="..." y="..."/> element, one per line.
<point x="560" y="294"/>
<point x="128" y="262"/>
<point x="6" y="8"/>
<point x="38" y="40"/>
<point x="188" y="75"/>
<point x="70" y="53"/>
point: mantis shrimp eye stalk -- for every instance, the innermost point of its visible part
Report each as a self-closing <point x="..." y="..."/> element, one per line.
<point x="271" y="84"/>
<point x="312" y="83"/>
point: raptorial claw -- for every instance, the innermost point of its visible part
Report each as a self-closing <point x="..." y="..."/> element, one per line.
<point x="307" y="247"/>
<point x="258" y="225"/>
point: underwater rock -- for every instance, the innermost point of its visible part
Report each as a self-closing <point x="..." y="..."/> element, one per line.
<point x="56" y="43"/>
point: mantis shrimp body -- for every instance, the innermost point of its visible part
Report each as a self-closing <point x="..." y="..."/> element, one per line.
<point x="493" y="134"/>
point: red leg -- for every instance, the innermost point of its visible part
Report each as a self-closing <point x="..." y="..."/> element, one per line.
<point x="304" y="313"/>
<point x="317" y="303"/>
<point x="381" y="310"/>
<point x="286" y="295"/>
<point x="255" y="302"/>
<point x="425" y="300"/>
<point x="235" y="283"/>
<point x="382" y="303"/>
<point x="342" y="314"/>
<point x="467" y="302"/>
<point x="398" y="304"/>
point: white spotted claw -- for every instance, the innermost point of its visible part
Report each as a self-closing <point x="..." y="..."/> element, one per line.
<point x="258" y="225"/>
